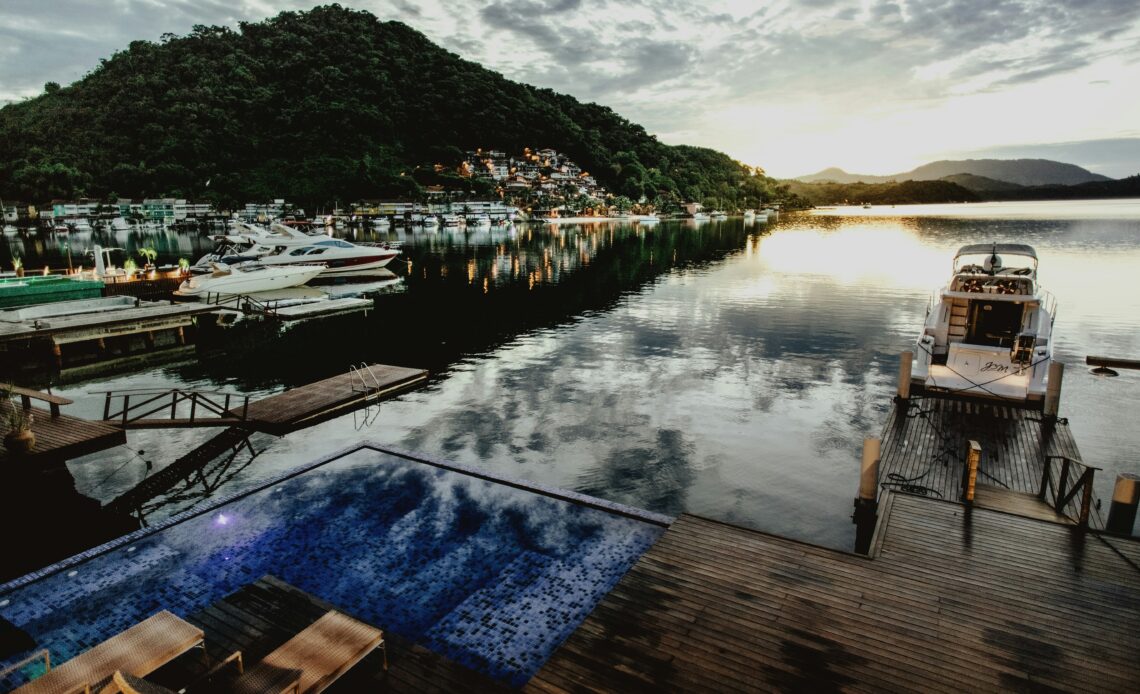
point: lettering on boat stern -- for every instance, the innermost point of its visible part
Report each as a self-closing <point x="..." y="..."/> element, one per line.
<point x="994" y="367"/>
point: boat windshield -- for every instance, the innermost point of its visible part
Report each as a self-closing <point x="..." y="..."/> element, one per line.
<point x="996" y="259"/>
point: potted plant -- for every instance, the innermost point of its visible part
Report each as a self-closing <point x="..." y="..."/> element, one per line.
<point x="148" y="254"/>
<point x="18" y="437"/>
<point x="18" y="265"/>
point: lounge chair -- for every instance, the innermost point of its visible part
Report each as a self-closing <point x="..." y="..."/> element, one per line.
<point x="138" y="651"/>
<point x="314" y="659"/>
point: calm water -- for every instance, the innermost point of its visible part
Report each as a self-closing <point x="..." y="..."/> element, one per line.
<point x="726" y="370"/>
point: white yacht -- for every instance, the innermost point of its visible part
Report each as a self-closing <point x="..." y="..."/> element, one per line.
<point x="479" y="221"/>
<point x="719" y="214"/>
<point x="701" y="216"/>
<point x="988" y="332"/>
<point x="451" y="221"/>
<point x="430" y="221"/>
<point x="247" y="278"/>
<point x="283" y="245"/>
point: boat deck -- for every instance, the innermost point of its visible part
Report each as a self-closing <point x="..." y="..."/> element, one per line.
<point x="954" y="599"/>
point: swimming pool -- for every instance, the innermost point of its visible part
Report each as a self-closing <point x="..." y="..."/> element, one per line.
<point x="490" y="575"/>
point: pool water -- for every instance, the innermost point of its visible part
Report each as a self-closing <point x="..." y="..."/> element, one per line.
<point x="489" y="575"/>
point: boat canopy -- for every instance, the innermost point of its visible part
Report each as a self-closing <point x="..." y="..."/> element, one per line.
<point x="1011" y="248"/>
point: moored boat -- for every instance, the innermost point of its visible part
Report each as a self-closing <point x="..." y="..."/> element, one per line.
<point x="283" y="245"/>
<point x="988" y="332"/>
<point x="247" y="278"/>
<point x="40" y="289"/>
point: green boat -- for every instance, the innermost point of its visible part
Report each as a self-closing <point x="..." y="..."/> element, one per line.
<point x="43" y="289"/>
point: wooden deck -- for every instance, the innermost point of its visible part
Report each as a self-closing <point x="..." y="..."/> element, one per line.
<point x="306" y="405"/>
<point x="925" y="440"/>
<point x="954" y="600"/>
<point x="90" y="326"/>
<point x="265" y="614"/>
<point x="61" y="437"/>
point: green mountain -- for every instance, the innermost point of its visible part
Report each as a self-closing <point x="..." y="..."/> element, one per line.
<point x="329" y="104"/>
<point x="980" y="184"/>
<point x="1022" y="172"/>
<point x="905" y="193"/>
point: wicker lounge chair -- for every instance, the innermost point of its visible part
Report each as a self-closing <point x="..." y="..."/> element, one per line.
<point x="138" y="651"/>
<point x="314" y="659"/>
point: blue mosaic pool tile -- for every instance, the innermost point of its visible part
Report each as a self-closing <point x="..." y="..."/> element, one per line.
<point x="489" y="575"/>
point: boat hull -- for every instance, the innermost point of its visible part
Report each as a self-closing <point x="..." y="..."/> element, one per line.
<point x="244" y="282"/>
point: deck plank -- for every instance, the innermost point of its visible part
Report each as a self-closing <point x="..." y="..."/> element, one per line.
<point x="956" y="599"/>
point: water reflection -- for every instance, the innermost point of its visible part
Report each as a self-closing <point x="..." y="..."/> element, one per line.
<point x="725" y="370"/>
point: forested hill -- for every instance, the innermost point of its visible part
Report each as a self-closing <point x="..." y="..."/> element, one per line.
<point x="315" y="106"/>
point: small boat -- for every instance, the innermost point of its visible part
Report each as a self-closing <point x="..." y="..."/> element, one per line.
<point x="719" y="214"/>
<point x="988" y="332"/>
<point x="700" y="217"/>
<point x="430" y="221"/>
<point x="749" y="215"/>
<point x="451" y="221"/>
<point x="866" y="206"/>
<point x="40" y="289"/>
<point x="478" y="221"/>
<point x="247" y="278"/>
<point x="647" y="219"/>
<point x="381" y="223"/>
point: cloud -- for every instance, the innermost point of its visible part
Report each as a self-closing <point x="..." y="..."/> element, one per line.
<point x="676" y="67"/>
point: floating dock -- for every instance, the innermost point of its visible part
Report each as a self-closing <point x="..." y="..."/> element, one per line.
<point x="952" y="599"/>
<point x="304" y="406"/>
<point x="109" y="329"/>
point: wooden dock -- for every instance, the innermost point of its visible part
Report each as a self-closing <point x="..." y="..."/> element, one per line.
<point x="265" y="614"/>
<point x="953" y="599"/>
<point x="306" y="405"/>
<point x="925" y="440"/>
<point x="60" y="437"/>
<point x="147" y="317"/>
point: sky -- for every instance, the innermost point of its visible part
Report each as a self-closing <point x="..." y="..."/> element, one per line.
<point x="870" y="86"/>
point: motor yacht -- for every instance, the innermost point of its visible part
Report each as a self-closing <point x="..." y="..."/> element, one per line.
<point x="282" y="245"/>
<point x="247" y="278"/>
<point x="988" y="332"/>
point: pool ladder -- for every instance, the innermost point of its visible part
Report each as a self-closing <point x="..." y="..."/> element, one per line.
<point x="360" y="384"/>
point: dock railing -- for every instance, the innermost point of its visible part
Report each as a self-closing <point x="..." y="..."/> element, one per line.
<point x="216" y="405"/>
<point x="1067" y="486"/>
<point x="242" y="302"/>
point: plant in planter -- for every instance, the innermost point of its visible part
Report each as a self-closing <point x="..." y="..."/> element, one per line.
<point x="18" y="437"/>
<point x="18" y="266"/>
<point x="148" y="255"/>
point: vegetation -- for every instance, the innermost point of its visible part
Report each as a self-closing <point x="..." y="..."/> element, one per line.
<point x="958" y="189"/>
<point x="318" y="106"/>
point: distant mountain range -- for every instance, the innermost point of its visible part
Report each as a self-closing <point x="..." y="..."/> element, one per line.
<point x="975" y="174"/>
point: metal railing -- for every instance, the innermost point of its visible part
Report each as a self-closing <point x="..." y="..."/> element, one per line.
<point x="1073" y="479"/>
<point x="242" y="302"/>
<point x="216" y="405"/>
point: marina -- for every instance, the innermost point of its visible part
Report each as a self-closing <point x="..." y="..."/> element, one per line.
<point x="933" y="599"/>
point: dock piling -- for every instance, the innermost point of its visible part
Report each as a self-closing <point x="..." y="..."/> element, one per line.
<point x="1053" y="389"/>
<point x="1125" y="498"/>
<point x="905" y="359"/>
<point x="969" y="482"/>
<point x="867" y="503"/>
